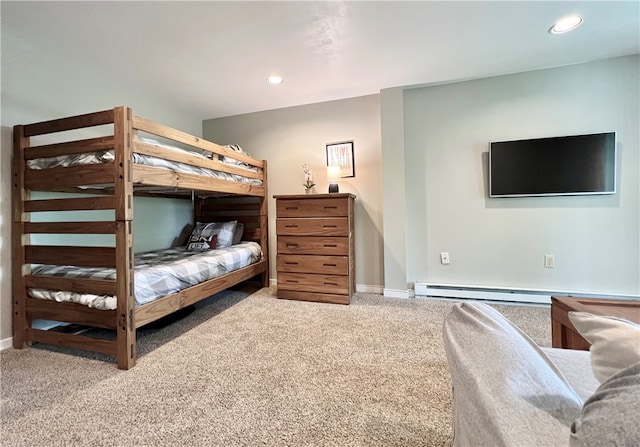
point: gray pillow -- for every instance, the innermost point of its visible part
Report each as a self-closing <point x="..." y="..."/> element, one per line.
<point x="224" y="230"/>
<point x="237" y="234"/>
<point x="610" y="416"/>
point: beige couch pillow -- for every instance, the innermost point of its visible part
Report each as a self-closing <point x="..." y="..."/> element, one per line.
<point x="615" y="343"/>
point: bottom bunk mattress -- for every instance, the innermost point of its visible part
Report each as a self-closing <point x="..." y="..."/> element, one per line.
<point x="157" y="273"/>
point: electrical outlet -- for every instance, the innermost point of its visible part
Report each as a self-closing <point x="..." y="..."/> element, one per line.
<point x="444" y="257"/>
<point x="549" y="261"/>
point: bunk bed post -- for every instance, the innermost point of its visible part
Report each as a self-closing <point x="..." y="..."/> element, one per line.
<point x="125" y="328"/>
<point x="197" y="203"/>
<point x="264" y="226"/>
<point x="18" y="239"/>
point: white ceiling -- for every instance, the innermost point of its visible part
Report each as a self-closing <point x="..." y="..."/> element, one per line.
<point x="213" y="58"/>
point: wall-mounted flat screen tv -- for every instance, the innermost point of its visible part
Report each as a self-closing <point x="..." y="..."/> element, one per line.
<point x="570" y="165"/>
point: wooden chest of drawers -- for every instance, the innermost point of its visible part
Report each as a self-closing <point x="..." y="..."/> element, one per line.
<point x="315" y="258"/>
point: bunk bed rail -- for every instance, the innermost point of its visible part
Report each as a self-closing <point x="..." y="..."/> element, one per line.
<point x="176" y="146"/>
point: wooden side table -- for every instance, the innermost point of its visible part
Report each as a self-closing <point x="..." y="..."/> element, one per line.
<point x="565" y="335"/>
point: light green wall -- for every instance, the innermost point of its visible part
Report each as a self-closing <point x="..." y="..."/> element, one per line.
<point x="157" y="223"/>
<point x="289" y="137"/>
<point x="394" y="192"/>
<point x="502" y="242"/>
<point x="432" y="170"/>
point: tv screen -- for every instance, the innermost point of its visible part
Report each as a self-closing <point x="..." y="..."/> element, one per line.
<point x="570" y="165"/>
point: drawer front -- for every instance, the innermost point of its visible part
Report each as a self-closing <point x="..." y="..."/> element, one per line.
<point x="328" y="265"/>
<point x="334" y="246"/>
<point x="312" y="207"/>
<point x="313" y="283"/>
<point x="331" y="226"/>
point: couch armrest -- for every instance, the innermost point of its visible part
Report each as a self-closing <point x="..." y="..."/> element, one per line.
<point x="506" y="392"/>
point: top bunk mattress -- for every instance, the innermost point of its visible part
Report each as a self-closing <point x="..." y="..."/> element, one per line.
<point x="107" y="156"/>
<point x="157" y="273"/>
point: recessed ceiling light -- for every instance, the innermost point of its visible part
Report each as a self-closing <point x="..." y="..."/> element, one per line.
<point x="566" y="24"/>
<point x="275" y="80"/>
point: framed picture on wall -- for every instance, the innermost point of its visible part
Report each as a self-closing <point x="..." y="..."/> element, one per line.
<point x="341" y="154"/>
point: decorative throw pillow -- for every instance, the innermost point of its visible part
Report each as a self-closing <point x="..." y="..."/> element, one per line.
<point x="223" y="230"/>
<point x="615" y="343"/>
<point x="237" y="234"/>
<point x="202" y="243"/>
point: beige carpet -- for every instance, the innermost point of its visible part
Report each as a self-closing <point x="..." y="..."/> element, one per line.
<point x="248" y="370"/>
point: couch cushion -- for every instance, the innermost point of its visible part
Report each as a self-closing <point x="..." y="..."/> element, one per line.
<point x="575" y="366"/>
<point x="506" y="392"/>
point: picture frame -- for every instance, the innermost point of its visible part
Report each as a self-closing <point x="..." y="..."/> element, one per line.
<point x="341" y="154"/>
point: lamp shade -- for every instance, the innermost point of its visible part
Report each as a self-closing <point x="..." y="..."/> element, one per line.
<point x="333" y="173"/>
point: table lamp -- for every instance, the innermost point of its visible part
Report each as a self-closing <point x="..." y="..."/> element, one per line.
<point x="333" y="175"/>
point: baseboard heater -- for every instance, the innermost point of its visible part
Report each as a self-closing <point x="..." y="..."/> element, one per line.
<point x="482" y="293"/>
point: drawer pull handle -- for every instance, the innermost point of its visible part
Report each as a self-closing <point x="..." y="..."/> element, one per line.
<point x="291" y="208"/>
<point x="329" y="265"/>
<point x="329" y="226"/>
<point x="330" y="245"/>
<point x="330" y="284"/>
<point x="291" y="226"/>
<point x="292" y="245"/>
<point x="329" y="207"/>
<point x="291" y="263"/>
<point x="292" y="281"/>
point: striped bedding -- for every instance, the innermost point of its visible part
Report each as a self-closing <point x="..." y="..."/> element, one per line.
<point x="157" y="273"/>
<point x="143" y="159"/>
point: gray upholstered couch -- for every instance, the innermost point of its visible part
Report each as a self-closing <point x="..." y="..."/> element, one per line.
<point x="507" y="391"/>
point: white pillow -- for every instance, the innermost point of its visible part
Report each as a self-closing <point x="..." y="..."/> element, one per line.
<point x="615" y="343"/>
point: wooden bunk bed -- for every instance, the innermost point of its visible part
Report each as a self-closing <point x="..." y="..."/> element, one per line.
<point x="112" y="186"/>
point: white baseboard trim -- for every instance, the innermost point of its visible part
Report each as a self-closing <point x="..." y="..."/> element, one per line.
<point x="504" y="294"/>
<point x="43" y="325"/>
<point x="482" y="293"/>
<point x="6" y="343"/>
<point x="364" y="288"/>
<point x="397" y="293"/>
